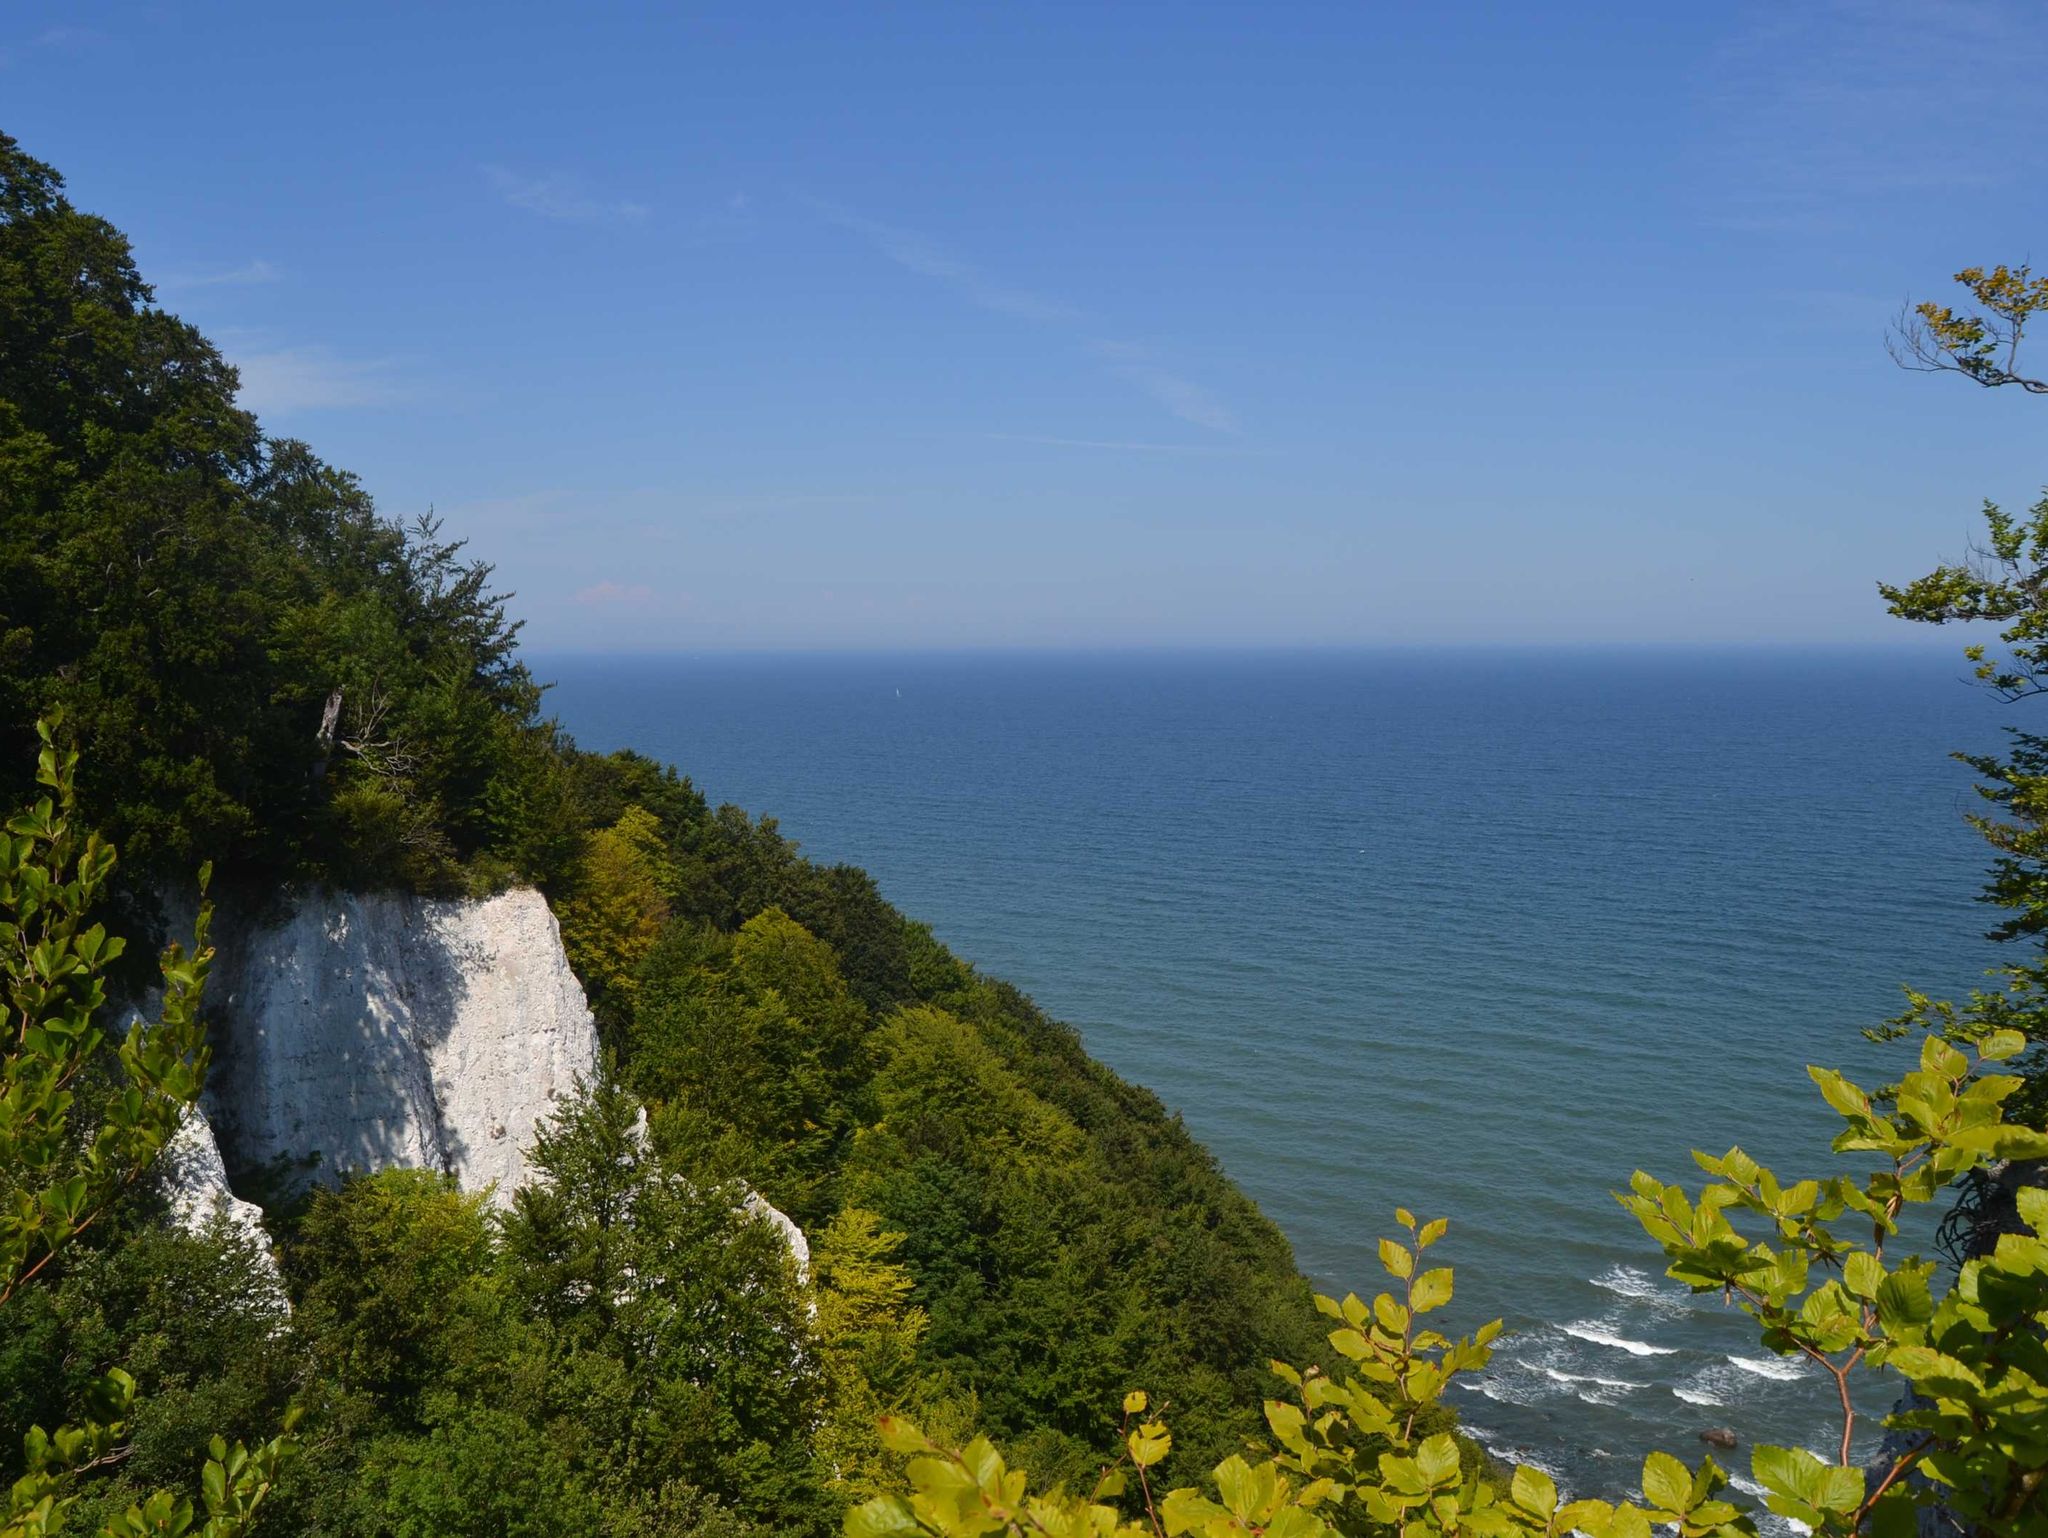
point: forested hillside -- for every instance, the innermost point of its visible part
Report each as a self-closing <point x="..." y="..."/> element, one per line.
<point x="260" y="670"/>
<point x="213" y="648"/>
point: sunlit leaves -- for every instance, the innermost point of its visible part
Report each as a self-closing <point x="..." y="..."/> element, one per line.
<point x="1808" y="1261"/>
<point x="51" y="966"/>
<point x="1984" y="344"/>
<point x="1357" y="1452"/>
<point x="59" y="1177"/>
<point x="1535" y="1492"/>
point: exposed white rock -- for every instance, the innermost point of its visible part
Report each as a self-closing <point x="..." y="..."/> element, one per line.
<point x="799" y="1246"/>
<point x="754" y="1204"/>
<point x="195" y="1182"/>
<point x="378" y="1030"/>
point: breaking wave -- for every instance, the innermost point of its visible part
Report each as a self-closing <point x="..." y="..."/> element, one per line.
<point x="1769" y="1367"/>
<point x="1599" y="1335"/>
<point x="1586" y="1377"/>
<point x="1640" y="1287"/>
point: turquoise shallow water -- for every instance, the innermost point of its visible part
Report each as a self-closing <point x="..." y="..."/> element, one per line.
<point x="1474" y="933"/>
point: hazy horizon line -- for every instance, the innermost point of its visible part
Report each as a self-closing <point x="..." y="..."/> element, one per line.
<point x="1919" y="645"/>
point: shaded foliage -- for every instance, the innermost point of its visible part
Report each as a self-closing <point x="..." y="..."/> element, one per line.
<point x="622" y="1352"/>
<point x="2002" y="582"/>
<point x="196" y="598"/>
<point x="265" y="671"/>
<point x="84" y="1115"/>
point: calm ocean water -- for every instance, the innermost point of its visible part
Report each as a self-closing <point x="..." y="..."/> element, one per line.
<point x="1477" y="934"/>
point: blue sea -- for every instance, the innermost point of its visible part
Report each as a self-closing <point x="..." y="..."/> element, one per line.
<point x="1474" y="933"/>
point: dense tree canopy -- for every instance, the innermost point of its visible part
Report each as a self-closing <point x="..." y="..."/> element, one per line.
<point x="264" y="671"/>
<point x="260" y="670"/>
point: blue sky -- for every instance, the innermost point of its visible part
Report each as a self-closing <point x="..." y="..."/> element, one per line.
<point x="800" y="325"/>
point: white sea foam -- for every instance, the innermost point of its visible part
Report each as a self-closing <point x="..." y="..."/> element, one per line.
<point x="1695" y="1396"/>
<point x="1514" y="1391"/>
<point x="1640" y="1287"/>
<point x="1586" y="1377"/>
<point x="1776" y="1367"/>
<point x="1599" y="1335"/>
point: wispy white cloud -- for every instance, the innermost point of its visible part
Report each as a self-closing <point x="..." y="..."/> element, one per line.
<point x="556" y="195"/>
<point x="916" y="253"/>
<point x="1128" y="445"/>
<point x="614" y="595"/>
<point x="61" y="39"/>
<point x="290" y="379"/>
<point x="1180" y="395"/>
<point x="257" y="271"/>
<point x="1183" y="397"/>
<point x="1810" y="110"/>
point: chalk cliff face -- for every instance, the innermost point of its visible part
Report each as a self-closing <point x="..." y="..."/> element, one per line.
<point x="379" y="1030"/>
<point x="376" y="1030"/>
<point x="196" y="1183"/>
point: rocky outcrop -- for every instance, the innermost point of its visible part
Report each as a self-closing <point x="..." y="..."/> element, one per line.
<point x="357" y="1031"/>
<point x="758" y="1206"/>
<point x="371" y="1030"/>
<point x="195" y="1183"/>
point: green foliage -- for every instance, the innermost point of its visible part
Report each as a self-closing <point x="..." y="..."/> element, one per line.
<point x="1984" y="345"/>
<point x="754" y="1042"/>
<point x="1821" y="1292"/>
<point x="1357" y="1450"/>
<point x="612" y="907"/>
<point x="2002" y="583"/>
<point x="260" y="670"/>
<point x="192" y="1318"/>
<point x="53" y="1184"/>
<point x="735" y="868"/>
<point x="392" y="1283"/>
<point x="63" y="1164"/>
<point x="668" y="1313"/>
<point x="479" y="1472"/>
<point x="1069" y="1238"/>
<point x="624" y="1351"/>
<point x="866" y="1333"/>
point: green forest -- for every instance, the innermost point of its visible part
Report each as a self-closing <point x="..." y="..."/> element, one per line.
<point x="216" y="655"/>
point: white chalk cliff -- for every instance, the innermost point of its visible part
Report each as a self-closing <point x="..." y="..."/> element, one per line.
<point x="793" y="1238"/>
<point x="195" y="1182"/>
<point x="377" y="1030"/>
